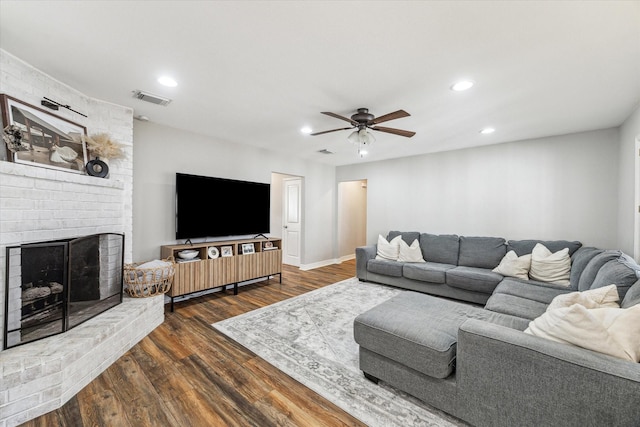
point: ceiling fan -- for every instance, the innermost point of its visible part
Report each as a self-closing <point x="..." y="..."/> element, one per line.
<point x="364" y="120"/>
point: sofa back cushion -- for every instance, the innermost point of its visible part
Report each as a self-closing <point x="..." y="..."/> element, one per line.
<point x="407" y="236"/>
<point x="483" y="252"/>
<point x="615" y="272"/>
<point x="442" y="249"/>
<point x="579" y="261"/>
<point x="524" y="247"/>
<point x="593" y="266"/>
<point x="632" y="297"/>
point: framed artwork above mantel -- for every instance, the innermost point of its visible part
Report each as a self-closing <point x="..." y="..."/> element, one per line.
<point x="46" y="140"/>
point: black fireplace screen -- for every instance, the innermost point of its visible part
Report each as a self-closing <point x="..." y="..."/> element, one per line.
<point x="54" y="286"/>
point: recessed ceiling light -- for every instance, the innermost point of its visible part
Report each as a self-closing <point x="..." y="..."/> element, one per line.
<point x="462" y="85"/>
<point x="306" y="130"/>
<point x="487" y="131"/>
<point x="167" y="81"/>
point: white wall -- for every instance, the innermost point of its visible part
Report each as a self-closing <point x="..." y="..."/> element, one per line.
<point x="561" y="187"/>
<point x="161" y="151"/>
<point x="628" y="184"/>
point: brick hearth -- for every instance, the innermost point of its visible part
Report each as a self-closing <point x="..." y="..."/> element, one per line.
<point x="41" y="376"/>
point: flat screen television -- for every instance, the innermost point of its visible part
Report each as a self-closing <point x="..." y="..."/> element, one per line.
<point x="219" y="207"/>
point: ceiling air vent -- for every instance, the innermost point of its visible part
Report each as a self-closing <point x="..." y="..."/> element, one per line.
<point x="149" y="97"/>
<point x="325" y="151"/>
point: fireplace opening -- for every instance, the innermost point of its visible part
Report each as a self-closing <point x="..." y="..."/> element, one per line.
<point x="55" y="286"/>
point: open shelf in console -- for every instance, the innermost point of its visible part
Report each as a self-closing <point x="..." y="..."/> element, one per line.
<point x="223" y="263"/>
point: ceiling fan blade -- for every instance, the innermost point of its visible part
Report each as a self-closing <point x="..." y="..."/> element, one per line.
<point x="400" y="132"/>
<point x="391" y="116"/>
<point x="337" y="116"/>
<point x="327" y="131"/>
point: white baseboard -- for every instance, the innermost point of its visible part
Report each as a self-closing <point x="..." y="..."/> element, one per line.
<point x="305" y="267"/>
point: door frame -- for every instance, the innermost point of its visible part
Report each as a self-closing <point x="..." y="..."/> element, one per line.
<point x="278" y="207"/>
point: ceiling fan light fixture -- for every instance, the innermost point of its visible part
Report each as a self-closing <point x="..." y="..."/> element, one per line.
<point x="306" y="130"/>
<point x="353" y="137"/>
<point x="362" y="123"/>
<point x="487" y="131"/>
<point x="366" y="137"/>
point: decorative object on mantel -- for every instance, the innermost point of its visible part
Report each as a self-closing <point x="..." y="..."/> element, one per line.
<point x="45" y="139"/>
<point x="102" y="146"/>
<point x="12" y="136"/>
<point x="50" y="103"/>
<point x="149" y="278"/>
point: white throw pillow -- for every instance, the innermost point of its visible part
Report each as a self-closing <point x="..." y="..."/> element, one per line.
<point x="612" y="331"/>
<point x="411" y="253"/>
<point x="606" y="296"/>
<point x="550" y="267"/>
<point x="388" y="250"/>
<point x="514" y="266"/>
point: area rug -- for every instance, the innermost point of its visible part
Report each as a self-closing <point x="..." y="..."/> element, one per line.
<point x="310" y="338"/>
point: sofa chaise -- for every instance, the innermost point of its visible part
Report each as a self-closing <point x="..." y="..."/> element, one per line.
<point x="467" y="353"/>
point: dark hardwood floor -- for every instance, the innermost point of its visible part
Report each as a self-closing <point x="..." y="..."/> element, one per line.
<point x="186" y="373"/>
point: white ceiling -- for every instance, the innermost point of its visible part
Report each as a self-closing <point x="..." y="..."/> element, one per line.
<point x="255" y="72"/>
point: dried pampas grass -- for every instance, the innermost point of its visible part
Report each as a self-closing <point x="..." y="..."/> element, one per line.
<point x="101" y="145"/>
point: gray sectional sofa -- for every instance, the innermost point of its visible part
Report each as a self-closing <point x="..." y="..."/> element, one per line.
<point x="471" y="358"/>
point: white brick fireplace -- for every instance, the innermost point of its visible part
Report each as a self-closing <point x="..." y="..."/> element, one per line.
<point x="39" y="204"/>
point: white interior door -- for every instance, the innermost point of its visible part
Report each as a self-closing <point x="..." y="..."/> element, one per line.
<point x="292" y="221"/>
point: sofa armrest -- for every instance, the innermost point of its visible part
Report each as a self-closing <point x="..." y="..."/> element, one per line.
<point x="363" y="255"/>
<point x="506" y="377"/>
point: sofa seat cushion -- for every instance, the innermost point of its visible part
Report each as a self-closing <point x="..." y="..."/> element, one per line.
<point x="515" y="306"/>
<point x="529" y="289"/>
<point x="385" y="267"/>
<point x="414" y="329"/>
<point x="473" y="279"/>
<point x="421" y="331"/>
<point x="432" y="272"/>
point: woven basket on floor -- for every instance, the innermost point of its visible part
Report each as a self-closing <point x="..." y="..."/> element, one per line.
<point x="147" y="282"/>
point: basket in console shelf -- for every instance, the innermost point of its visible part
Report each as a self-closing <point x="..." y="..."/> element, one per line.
<point x="149" y="278"/>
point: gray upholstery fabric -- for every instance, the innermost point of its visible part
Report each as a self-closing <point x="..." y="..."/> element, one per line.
<point x="386" y="267"/>
<point x="427" y="272"/>
<point x="632" y="297"/>
<point x="508" y="378"/>
<point x="438" y="392"/>
<point x="442" y="249"/>
<point x="593" y="266"/>
<point x="615" y="272"/>
<point x="407" y="236"/>
<point x="529" y="290"/>
<point x="473" y="279"/>
<point x="476" y="363"/>
<point x="363" y="255"/>
<point x="420" y="331"/>
<point x="414" y="329"/>
<point x="579" y="261"/>
<point x="515" y="306"/>
<point x="523" y="247"/>
<point x="483" y="252"/>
